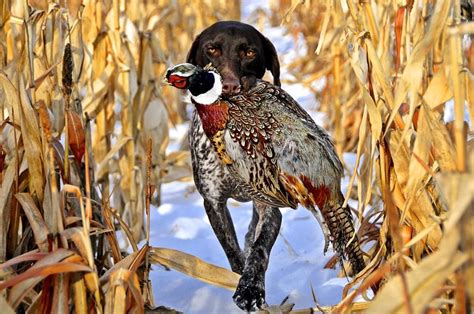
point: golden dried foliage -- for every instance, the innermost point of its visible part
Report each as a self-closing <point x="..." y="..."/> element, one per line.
<point x="83" y="133"/>
<point x="390" y="67"/>
<point x="72" y="71"/>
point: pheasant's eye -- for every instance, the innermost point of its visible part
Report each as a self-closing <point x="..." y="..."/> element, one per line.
<point x="250" y="53"/>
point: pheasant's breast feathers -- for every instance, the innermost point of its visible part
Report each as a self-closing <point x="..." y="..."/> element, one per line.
<point x="214" y="117"/>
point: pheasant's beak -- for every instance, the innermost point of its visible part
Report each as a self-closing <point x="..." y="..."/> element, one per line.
<point x="165" y="80"/>
<point x="166" y="77"/>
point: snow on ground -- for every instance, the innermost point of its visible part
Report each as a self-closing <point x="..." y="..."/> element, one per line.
<point x="296" y="260"/>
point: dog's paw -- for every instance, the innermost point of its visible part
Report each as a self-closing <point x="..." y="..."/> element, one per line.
<point x="250" y="294"/>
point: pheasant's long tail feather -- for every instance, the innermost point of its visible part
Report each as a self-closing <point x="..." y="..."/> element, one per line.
<point x="343" y="236"/>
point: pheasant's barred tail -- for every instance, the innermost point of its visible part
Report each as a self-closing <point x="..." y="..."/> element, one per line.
<point x="343" y="237"/>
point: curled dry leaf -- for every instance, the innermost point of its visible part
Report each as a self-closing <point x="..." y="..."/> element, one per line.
<point x="20" y="289"/>
<point x="76" y="135"/>
<point x="39" y="227"/>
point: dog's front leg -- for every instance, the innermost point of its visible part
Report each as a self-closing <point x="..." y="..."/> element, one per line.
<point x="221" y="223"/>
<point x="250" y="292"/>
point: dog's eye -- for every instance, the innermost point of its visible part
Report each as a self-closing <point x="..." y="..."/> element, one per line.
<point x="213" y="51"/>
<point x="250" y="53"/>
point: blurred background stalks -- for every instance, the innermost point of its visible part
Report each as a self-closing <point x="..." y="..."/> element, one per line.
<point x="81" y="96"/>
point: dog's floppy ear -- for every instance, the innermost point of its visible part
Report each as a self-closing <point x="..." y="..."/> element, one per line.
<point x="271" y="59"/>
<point x="191" y="58"/>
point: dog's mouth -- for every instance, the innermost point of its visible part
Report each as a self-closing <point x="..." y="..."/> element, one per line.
<point x="247" y="82"/>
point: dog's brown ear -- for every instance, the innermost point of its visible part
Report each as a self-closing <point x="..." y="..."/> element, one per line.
<point x="191" y="58"/>
<point x="271" y="57"/>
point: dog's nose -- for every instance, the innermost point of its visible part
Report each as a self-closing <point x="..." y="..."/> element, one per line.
<point x="231" y="87"/>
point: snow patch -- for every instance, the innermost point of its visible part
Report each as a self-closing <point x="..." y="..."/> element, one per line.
<point x="187" y="228"/>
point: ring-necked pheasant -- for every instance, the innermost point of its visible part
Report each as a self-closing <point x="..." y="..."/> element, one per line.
<point x="276" y="151"/>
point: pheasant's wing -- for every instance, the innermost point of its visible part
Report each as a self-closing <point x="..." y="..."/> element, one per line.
<point x="261" y="182"/>
<point x="308" y="165"/>
<point x="278" y="150"/>
<point x="248" y="143"/>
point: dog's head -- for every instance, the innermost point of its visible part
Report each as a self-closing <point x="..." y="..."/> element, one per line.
<point x="240" y="53"/>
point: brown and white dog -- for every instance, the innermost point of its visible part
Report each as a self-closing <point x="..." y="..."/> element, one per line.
<point x="241" y="54"/>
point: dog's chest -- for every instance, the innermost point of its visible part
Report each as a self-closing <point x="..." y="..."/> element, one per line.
<point x="210" y="175"/>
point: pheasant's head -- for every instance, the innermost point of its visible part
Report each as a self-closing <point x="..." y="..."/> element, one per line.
<point x="205" y="85"/>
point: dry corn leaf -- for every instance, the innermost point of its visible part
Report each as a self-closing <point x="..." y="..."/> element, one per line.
<point x="22" y="114"/>
<point x="116" y="297"/>
<point x="470" y="91"/>
<point x="29" y="256"/>
<point x="418" y="160"/>
<point x="95" y="98"/>
<point x="134" y="287"/>
<point x="76" y="135"/>
<point x="421" y="212"/>
<point x="439" y="90"/>
<point x="61" y="294"/>
<point x="443" y="147"/>
<point x="73" y="7"/>
<point x="81" y="241"/>
<point x="400" y="17"/>
<point x="293" y="6"/>
<point x="79" y="293"/>
<point x="6" y="308"/>
<point x="360" y="145"/>
<point x="39" y="4"/>
<point x="424" y="281"/>
<point x="103" y="168"/>
<point x="19" y="290"/>
<point x="37" y="224"/>
<point x="126" y="262"/>
<point x="40" y="272"/>
<point x="121" y="281"/>
<point x="458" y="190"/>
<point x="413" y="73"/>
<point x="6" y="190"/>
<point x="92" y="283"/>
<point x="195" y="267"/>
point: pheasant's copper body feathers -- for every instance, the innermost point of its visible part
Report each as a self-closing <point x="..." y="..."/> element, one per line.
<point x="282" y="159"/>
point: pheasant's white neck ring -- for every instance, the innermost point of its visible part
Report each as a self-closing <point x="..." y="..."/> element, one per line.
<point x="213" y="94"/>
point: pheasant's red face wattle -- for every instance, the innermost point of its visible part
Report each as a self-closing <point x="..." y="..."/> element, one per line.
<point x="177" y="81"/>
